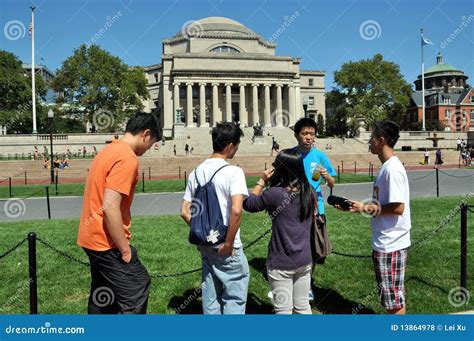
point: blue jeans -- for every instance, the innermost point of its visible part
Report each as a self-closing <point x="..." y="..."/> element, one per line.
<point x="225" y="281"/>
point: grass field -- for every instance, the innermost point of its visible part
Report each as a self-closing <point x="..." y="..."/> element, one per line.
<point x="153" y="186"/>
<point x="341" y="285"/>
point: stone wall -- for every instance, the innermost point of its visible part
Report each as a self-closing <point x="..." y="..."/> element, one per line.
<point x="419" y="139"/>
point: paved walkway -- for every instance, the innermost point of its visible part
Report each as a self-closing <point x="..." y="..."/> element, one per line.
<point x="422" y="185"/>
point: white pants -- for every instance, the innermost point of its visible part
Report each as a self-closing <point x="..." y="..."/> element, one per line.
<point x="290" y="290"/>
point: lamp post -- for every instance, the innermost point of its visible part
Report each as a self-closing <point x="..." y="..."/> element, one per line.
<point x="50" y="117"/>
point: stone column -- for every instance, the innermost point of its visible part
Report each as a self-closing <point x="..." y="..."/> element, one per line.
<point x="291" y="104"/>
<point x="202" y="105"/>
<point x="189" y="105"/>
<point x="216" y="116"/>
<point x="279" y="110"/>
<point x="299" y="112"/>
<point x="176" y="101"/>
<point x="266" y="110"/>
<point x="167" y="114"/>
<point x="228" y="102"/>
<point x="255" y="118"/>
<point x="243" y="111"/>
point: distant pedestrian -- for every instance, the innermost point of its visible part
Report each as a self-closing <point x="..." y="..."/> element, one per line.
<point x="186" y="149"/>
<point x="84" y="151"/>
<point x="174" y="150"/>
<point x="426" y="156"/>
<point x="275" y="145"/>
<point x="438" y="160"/>
<point x="458" y="144"/>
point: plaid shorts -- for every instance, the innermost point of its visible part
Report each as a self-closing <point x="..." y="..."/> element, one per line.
<point x="390" y="274"/>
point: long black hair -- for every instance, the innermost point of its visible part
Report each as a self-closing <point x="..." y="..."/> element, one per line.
<point x="289" y="172"/>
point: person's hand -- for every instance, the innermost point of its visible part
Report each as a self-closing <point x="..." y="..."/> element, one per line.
<point x="356" y="206"/>
<point x="267" y="175"/>
<point x="323" y="171"/>
<point x="226" y="249"/>
<point x="126" y="255"/>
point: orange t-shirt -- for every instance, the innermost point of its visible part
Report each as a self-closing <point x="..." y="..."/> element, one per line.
<point x="116" y="168"/>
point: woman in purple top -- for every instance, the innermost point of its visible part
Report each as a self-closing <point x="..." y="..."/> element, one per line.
<point x="288" y="201"/>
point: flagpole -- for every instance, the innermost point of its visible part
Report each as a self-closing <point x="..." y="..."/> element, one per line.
<point x="33" y="88"/>
<point x="423" y="127"/>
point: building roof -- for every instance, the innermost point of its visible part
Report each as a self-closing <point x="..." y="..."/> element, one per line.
<point x="456" y="98"/>
<point x="216" y="25"/>
<point x="441" y="68"/>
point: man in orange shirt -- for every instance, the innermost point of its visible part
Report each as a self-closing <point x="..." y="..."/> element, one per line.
<point x="120" y="283"/>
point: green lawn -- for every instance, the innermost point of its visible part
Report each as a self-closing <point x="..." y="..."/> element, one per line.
<point x="341" y="284"/>
<point x="153" y="186"/>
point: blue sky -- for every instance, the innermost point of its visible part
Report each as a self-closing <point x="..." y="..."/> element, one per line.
<point x="325" y="34"/>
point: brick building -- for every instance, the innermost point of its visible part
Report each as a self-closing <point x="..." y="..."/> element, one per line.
<point x="449" y="100"/>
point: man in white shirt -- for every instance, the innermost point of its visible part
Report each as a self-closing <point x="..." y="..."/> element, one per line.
<point x="225" y="269"/>
<point x="391" y="221"/>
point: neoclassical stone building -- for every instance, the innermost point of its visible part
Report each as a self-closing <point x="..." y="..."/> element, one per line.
<point x="216" y="69"/>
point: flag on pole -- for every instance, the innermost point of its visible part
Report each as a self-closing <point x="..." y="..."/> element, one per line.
<point x="30" y="29"/>
<point x="425" y="41"/>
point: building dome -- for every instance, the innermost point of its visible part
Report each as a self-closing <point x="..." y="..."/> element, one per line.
<point x="442" y="77"/>
<point x="216" y="26"/>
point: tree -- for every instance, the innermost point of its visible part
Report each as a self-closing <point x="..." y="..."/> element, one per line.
<point x="368" y="90"/>
<point x="336" y="113"/>
<point x="92" y="81"/>
<point x="320" y="122"/>
<point x="15" y="101"/>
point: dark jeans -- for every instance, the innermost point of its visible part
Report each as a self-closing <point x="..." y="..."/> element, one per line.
<point x="117" y="287"/>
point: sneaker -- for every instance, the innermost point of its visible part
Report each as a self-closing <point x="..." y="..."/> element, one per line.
<point x="311" y="295"/>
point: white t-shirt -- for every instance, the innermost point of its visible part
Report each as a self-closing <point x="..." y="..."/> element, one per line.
<point x="228" y="181"/>
<point x="391" y="232"/>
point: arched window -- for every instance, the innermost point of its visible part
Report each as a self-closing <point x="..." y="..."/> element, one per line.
<point x="225" y="49"/>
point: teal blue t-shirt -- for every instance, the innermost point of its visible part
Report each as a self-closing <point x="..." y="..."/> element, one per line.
<point x="311" y="160"/>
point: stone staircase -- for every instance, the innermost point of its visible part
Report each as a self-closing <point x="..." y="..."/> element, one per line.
<point x="201" y="141"/>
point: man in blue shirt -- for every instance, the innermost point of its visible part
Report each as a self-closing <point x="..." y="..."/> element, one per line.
<point x="314" y="159"/>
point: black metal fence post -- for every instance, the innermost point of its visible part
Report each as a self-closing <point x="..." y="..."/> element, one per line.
<point x="338" y="175"/>
<point x="56" y="179"/>
<point x="10" y="186"/>
<point x="437" y="183"/>
<point x="355" y="167"/>
<point x="464" y="246"/>
<point x="185" y="179"/>
<point x="143" y="182"/>
<point x="342" y="166"/>
<point x="32" y="274"/>
<point x="48" y="205"/>
<point x="26" y="179"/>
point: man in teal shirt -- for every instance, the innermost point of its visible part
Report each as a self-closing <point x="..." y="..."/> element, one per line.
<point x="314" y="159"/>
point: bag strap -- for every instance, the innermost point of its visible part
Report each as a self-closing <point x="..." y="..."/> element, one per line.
<point x="314" y="195"/>
<point x="212" y="177"/>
